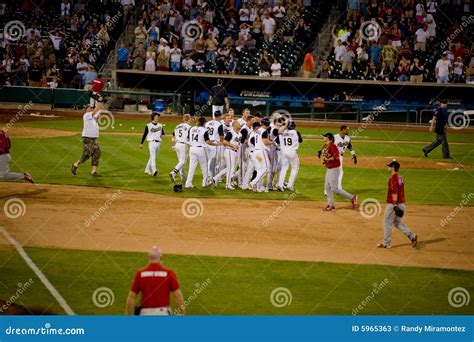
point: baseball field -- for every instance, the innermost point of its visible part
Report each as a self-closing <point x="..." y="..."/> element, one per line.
<point x="238" y="252"/>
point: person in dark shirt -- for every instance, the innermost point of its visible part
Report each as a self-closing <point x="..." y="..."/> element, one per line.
<point x="35" y="74"/>
<point x="68" y="74"/>
<point x="439" y="122"/>
<point x="218" y="98"/>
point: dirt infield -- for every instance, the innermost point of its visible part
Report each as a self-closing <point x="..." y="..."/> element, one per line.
<point x="406" y="162"/>
<point x="34" y="132"/>
<point x="110" y="219"/>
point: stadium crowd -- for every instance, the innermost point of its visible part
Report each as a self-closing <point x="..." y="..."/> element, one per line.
<point x="230" y="37"/>
<point x="407" y="40"/>
<point x="59" y="43"/>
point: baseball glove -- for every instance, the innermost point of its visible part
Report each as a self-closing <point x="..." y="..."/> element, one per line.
<point x="398" y="211"/>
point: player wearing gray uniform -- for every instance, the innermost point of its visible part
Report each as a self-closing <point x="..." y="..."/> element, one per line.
<point x="5" y="159"/>
<point x="153" y="134"/>
<point x="215" y="131"/>
<point x="395" y="208"/>
<point x="289" y="142"/>
<point x="198" y="138"/>
<point x="232" y="141"/>
<point x="343" y="142"/>
<point x="180" y="146"/>
<point x="330" y="155"/>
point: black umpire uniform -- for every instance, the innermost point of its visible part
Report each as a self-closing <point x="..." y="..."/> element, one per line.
<point x="440" y="120"/>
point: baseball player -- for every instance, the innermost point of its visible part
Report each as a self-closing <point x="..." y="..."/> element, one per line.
<point x="331" y="160"/>
<point x="289" y="142"/>
<point x="226" y="128"/>
<point x="198" y="137"/>
<point x="215" y="131"/>
<point x="243" y="119"/>
<point x="90" y="136"/>
<point x="439" y="124"/>
<point x="231" y="144"/>
<point x="343" y="142"/>
<point x="259" y="140"/>
<point x="243" y="150"/>
<point x="180" y="146"/>
<point x="395" y="208"/>
<point x="153" y="134"/>
<point x="5" y="159"/>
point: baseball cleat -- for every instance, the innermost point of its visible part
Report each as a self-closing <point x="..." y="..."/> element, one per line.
<point x="245" y="187"/>
<point x="95" y="174"/>
<point x="354" y="202"/>
<point x="230" y="188"/>
<point x="425" y="153"/>
<point x="414" y="241"/>
<point x="329" y="208"/>
<point x="381" y="245"/>
<point x="189" y="187"/>
<point x="279" y="188"/>
<point x="28" y="178"/>
<point x="155" y="173"/>
<point x="73" y="169"/>
<point x="172" y="176"/>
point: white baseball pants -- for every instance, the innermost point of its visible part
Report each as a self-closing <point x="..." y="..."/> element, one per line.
<point x="181" y="149"/>
<point x="197" y="155"/>
<point x="249" y="169"/>
<point x="153" y="147"/>
<point x="230" y="157"/>
<point x="260" y="160"/>
<point x="289" y="159"/>
<point x="212" y="152"/>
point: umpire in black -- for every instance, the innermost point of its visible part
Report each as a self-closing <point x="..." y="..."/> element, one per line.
<point x="440" y="121"/>
<point x="218" y="98"/>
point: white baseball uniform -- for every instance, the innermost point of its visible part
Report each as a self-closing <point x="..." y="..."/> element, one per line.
<point x="180" y="135"/>
<point x="259" y="156"/>
<point x="153" y="133"/>
<point x="273" y="152"/>
<point x="197" y="137"/>
<point x="289" y="142"/>
<point x="341" y="144"/>
<point x="230" y="155"/>
<point x="214" y="130"/>
<point x="244" y="153"/>
<point x="222" y="160"/>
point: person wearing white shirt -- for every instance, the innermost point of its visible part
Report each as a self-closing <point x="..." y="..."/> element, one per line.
<point x="276" y="68"/>
<point x="429" y="20"/>
<point x="339" y="51"/>
<point x="268" y="26"/>
<point x="90" y="136"/>
<point x="244" y="14"/>
<point x="421" y="36"/>
<point x="188" y="64"/>
<point x="150" y="64"/>
<point x="65" y="9"/>
<point x="175" y="58"/>
<point x="443" y="69"/>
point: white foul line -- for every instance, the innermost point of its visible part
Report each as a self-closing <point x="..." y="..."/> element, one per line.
<point x="38" y="272"/>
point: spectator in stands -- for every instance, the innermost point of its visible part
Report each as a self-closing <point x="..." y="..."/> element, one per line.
<point x="421" y="37"/>
<point x="279" y="12"/>
<point x="268" y="24"/>
<point x="416" y="71"/>
<point x="275" y="68"/>
<point x="420" y="12"/>
<point x="188" y="63"/>
<point x="325" y="69"/>
<point x="390" y="55"/>
<point x="122" y="57"/>
<point x="138" y="57"/>
<point x="385" y="71"/>
<point x="443" y="69"/>
<point x="150" y="62"/>
<point x="308" y="64"/>
<point x="163" y="60"/>
<point x="231" y="64"/>
<point x="175" y="57"/>
<point x="346" y="59"/>
<point x="128" y="7"/>
<point x="352" y="10"/>
<point x="264" y="65"/>
<point x="67" y="75"/>
<point x="88" y="77"/>
<point x="35" y="74"/>
<point x="458" y="70"/>
<point x="339" y="51"/>
<point x="140" y="33"/>
<point x="153" y="31"/>
<point x="81" y="68"/>
<point x="404" y="70"/>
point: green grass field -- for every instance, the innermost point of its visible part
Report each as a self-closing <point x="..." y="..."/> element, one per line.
<point x="123" y="163"/>
<point x="237" y="285"/>
<point x="240" y="286"/>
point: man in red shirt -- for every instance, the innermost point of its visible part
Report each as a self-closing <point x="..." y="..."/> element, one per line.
<point x="308" y="64"/>
<point x="395" y="208"/>
<point x="155" y="283"/>
<point x="331" y="160"/>
<point x="5" y="159"/>
<point x="96" y="87"/>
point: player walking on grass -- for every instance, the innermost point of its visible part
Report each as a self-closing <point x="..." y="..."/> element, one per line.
<point x="155" y="283"/>
<point x="198" y="138"/>
<point x="180" y="146"/>
<point x="5" y="159"/>
<point x="331" y="160"/>
<point x="90" y="137"/>
<point x="289" y="142"/>
<point x="153" y="134"/>
<point x="439" y="121"/>
<point x="395" y="208"/>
